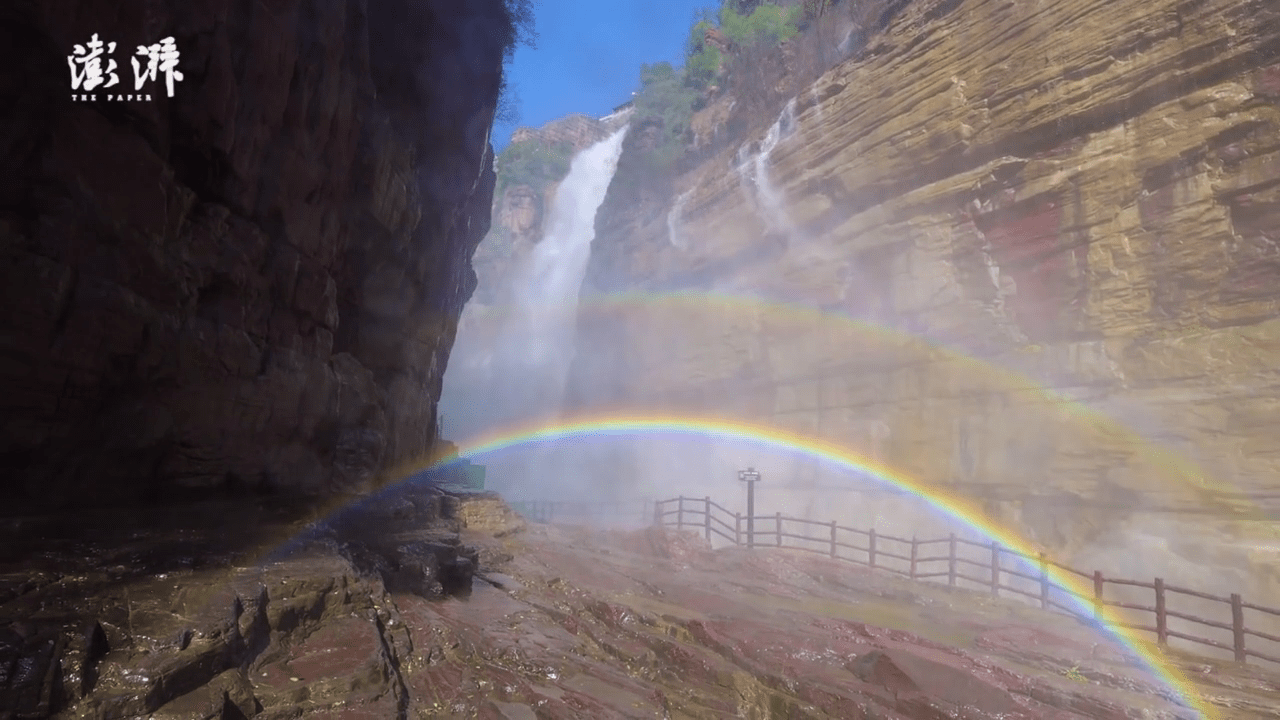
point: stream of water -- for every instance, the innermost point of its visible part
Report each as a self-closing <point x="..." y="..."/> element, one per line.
<point x="518" y="373"/>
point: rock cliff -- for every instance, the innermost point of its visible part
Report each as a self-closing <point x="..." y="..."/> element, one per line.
<point x="252" y="284"/>
<point x="1038" y="242"/>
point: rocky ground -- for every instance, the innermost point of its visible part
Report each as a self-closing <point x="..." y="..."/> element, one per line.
<point x="435" y="605"/>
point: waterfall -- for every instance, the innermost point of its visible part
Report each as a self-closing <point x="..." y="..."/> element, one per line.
<point x="547" y="289"/>
<point x="753" y="172"/>
<point x="673" y="222"/>
<point x="518" y="372"/>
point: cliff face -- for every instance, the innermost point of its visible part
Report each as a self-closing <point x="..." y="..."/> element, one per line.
<point x="577" y="130"/>
<point x="521" y="208"/>
<point x="252" y="284"/>
<point x="1083" y="193"/>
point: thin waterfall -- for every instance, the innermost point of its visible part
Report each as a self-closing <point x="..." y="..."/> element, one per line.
<point x="518" y="373"/>
<point x="674" y="236"/>
<point x="753" y="171"/>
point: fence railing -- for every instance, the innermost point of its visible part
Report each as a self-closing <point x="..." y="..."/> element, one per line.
<point x="712" y="519"/>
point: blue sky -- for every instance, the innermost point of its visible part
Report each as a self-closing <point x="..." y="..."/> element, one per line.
<point x="589" y="55"/>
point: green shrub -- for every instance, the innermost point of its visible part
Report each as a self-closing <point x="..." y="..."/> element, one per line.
<point x="702" y="61"/>
<point x="665" y="94"/>
<point x="532" y="163"/>
<point x="674" y="94"/>
<point x="703" y="66"/>
<point x="767" y="23"/>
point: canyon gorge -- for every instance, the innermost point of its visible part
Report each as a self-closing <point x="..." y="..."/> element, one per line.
<point x="1020" y="254"/>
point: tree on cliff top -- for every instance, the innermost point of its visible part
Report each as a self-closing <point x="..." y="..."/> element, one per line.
<point x="518" y="29"/>
<point x="743" y="23"/>
<point x="766" y="23"/>
<point x="666" y="97"/>
<point x="669" y="96"/>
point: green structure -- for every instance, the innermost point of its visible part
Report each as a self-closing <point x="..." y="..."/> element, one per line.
<point x="469" y="475"/>
<point x="456" y="471"/>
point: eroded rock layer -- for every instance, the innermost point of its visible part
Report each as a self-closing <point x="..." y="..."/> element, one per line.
<point x="250" y="284"/>
<point x="997" y="198"/>
<point x="448" y="606"/>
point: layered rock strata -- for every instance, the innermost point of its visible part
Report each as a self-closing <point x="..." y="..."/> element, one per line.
<point x="173" y="618"/>
<point x="554" y="622"/>
<point x="990" y="200"/>
<point x="252" y="284"/>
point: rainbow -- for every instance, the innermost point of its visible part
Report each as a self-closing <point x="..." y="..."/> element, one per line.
<point x="1172" y="465"/>
<point x="949" y="504"/>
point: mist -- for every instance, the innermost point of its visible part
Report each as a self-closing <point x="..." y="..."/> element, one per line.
<point x="516" y="374"/>
<point x="932" y="355"/>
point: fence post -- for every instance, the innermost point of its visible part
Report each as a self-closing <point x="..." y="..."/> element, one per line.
<point x="1162" y="620"/>
<point x="915" y="546"/>
<point x="833" y="538"/>
<point x="707" y="519"/>
<point x="1044" y="581"/>
<point x="1237" y="626"/>
<point x="779" y="519"/>
<point x="995" y="568"/>
<point x="1097" y="594"/>
<point x="951" y="564"/>
<point x="657" y="511"/>
<point x="871" y="548"/>
<point x="680" y="514"/>
<point x="737" y="528"/>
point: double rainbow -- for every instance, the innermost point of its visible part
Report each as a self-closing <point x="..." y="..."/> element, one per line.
<point x="954" y="506"/>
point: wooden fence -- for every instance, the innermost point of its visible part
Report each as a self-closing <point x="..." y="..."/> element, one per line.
<point x="713" y="519"/>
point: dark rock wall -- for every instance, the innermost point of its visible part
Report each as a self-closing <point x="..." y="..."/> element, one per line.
<point x="254" y="284"/>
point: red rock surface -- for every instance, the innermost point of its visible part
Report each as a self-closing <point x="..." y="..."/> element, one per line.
<point x="560" y="623"/>
<point x="608" y="624"/>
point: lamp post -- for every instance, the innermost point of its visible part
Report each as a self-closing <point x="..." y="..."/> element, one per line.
<point x="750" y="477"/>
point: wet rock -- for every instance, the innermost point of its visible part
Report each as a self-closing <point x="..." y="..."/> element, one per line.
<point x="910" y="676"/>
<point x="486" y="513"/>
<point x="30" y="669"/>
<point x="666" y="543"/>
<point x="313" y="625"/>
<point x="415" y="569"/>
<point x="228" y="696"/>
<point x="579" y="623"/>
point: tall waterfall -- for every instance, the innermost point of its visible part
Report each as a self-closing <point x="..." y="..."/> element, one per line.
<point x="519" y="374"/>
